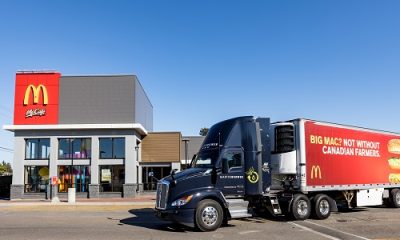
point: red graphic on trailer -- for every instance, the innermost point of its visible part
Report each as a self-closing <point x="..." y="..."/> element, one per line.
<point x="36" y="98"/>
<point x="344" y="156"/>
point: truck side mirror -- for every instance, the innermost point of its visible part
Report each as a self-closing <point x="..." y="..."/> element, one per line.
<point x="225" y="166"/>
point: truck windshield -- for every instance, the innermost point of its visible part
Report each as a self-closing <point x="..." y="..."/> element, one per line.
<point x="205" y="159"/>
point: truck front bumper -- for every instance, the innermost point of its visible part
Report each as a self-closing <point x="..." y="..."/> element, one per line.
<point x="181" y="216"/>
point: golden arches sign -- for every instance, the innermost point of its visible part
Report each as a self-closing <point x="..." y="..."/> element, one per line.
<point x="316" y="172"/>
<point x="36" y="91"/>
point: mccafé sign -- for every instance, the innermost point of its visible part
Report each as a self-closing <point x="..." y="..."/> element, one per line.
<point x="36" y="98"/>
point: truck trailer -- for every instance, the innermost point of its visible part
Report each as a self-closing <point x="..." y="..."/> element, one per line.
<point x="299" y="168"/>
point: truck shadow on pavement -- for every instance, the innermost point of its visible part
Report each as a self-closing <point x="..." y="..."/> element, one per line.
<point x="146" y="218"/>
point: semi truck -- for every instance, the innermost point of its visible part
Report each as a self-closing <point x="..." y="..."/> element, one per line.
<point x="299" y="168"/>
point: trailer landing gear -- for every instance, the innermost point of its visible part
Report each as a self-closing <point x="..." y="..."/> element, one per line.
<point x="348" y="195"/>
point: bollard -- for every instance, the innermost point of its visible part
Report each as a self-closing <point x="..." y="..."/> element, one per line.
<point x="71" y="195"/>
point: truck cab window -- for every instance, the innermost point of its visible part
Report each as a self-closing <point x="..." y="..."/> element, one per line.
<point x="233" y="159"/>
<point x="205" y="159"/>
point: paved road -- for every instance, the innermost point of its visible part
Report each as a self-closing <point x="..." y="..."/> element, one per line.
<point x="129" y="222"/>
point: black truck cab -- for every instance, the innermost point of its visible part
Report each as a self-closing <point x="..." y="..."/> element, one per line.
<point x="232" y="165"/>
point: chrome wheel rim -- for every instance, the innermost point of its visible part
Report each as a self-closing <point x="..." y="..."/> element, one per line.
<point x="324" y="207"/>
<point x="302" y="207"/>
<point x="209" y="215"/>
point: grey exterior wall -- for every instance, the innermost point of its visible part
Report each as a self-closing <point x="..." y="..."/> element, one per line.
<point x="104" y="99"/>
<point x="143" y="108"/>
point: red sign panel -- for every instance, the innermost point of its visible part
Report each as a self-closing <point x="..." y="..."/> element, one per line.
<point x="36" y="98"/>
<point x="343" y="156"/>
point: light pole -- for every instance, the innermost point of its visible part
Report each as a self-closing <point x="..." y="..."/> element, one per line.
<point x="71" y="190"/>
<point x="186" y="140"/>
<point x="137" y="169"/>
<point x="72" y="161"/>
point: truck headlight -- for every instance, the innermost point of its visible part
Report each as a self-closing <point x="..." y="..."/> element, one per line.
<point x="181" y="201"/>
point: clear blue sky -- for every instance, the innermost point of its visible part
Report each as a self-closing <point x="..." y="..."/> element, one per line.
<point x="204" y="61"/>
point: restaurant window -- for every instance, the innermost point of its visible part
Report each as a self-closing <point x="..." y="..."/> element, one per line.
<point x="36" y="179"/>
<point x="112" y="178"/>
<point x="111" y="148"/>
<point x="150" y="183"/>
<point x="77" y="177"/>
<point x="37" y="148"/>
<point x="74" y="148"/>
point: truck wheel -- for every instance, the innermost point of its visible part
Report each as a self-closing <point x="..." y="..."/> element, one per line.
<point x="322" y="207"/>
<point x="395" y="198"/>
<point x="301" y="207"/>
<point x="209" y="215"/>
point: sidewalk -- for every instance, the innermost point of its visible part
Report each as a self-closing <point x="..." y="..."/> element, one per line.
<point x="143" y="199"/>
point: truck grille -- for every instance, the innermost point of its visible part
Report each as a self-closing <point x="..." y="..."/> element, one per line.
<point x="162" y="194"/>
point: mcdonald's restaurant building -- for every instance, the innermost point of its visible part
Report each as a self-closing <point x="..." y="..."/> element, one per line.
<point x="87" y="133"/>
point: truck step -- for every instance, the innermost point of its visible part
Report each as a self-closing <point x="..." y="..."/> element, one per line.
<point x="240" y="214"/>
<point x="275" y="208"/>
<point x="238" y="208"/>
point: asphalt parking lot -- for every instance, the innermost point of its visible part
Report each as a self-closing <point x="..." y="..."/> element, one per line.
<point x="138" y="222"/>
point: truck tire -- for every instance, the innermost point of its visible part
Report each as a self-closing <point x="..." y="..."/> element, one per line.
<point x="395" y="198"/>
<point x="301" y="207"/>
<point x="322" y="207"/>
<point x="209" y="215"/>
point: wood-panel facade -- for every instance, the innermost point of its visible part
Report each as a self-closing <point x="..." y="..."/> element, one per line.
<point x="161" y="147"/>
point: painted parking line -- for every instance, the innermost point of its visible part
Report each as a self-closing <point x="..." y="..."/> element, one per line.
<point x="249" y="232"/>
<point x="327" y="232"/>
<point x="396" y="238"/>
<point x="313" y="231"/>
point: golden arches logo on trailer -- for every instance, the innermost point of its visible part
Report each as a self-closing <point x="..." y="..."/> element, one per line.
<point x="316" y="172"/>
<point x="36" y="93"/>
